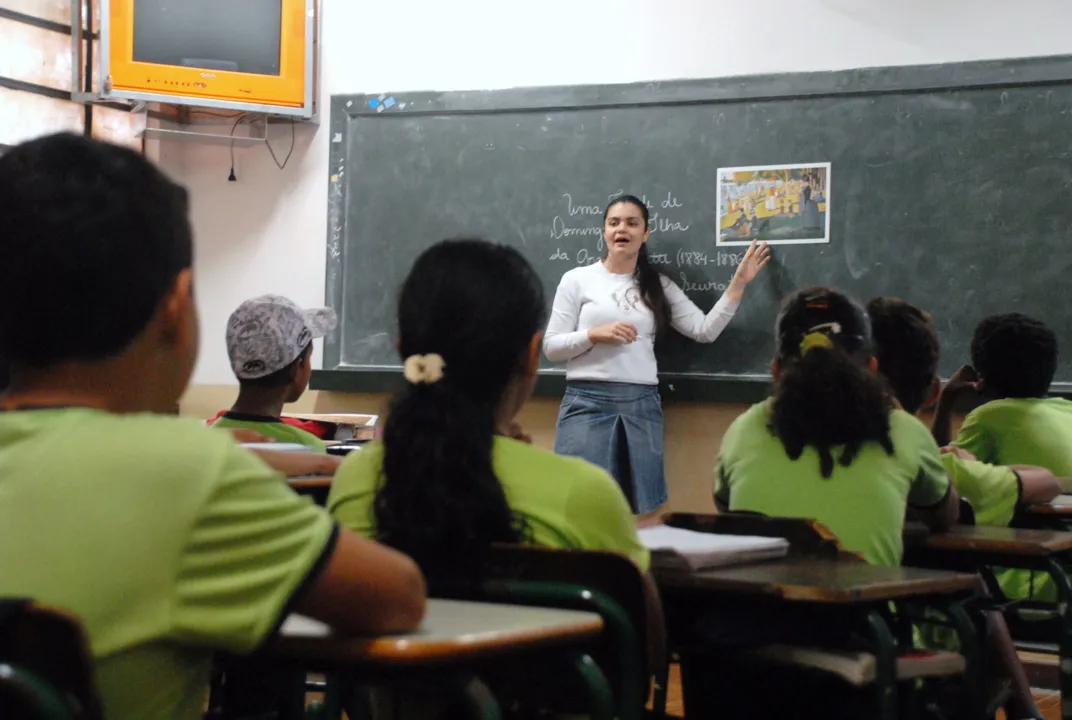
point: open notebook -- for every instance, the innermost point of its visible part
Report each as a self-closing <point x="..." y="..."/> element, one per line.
<point x="674" y="548"/>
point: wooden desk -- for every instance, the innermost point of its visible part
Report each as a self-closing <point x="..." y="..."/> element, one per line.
<point x="993" y="541"/>
<point x="821" y="581"/>
<point x="311" y="482"/>
<point x="1061" y="505"/>
<point x="981" y="549"/>
<point x="453" y="631"/>
<point x="447" y="650"/>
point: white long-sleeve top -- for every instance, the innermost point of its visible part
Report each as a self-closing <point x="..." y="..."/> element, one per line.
<point x="590" y="296"/>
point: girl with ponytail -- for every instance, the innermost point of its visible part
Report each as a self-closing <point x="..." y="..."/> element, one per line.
<point x="831" y="444"/>
<point x="604" y="323"/>
<point x="447" y="480"/>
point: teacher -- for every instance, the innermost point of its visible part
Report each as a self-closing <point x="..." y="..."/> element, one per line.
<point x="604" y="323"/>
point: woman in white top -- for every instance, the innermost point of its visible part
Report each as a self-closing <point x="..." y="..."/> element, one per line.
<point x="604" y="323"/>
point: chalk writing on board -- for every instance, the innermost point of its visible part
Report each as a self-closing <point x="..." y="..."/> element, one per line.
<point x="559" y="230"/>
<point x="658" y="258"/>
<point x="732" y="259"/>
<point x="690" y="286"/>
<point x="687" y="258"/>
<point x="560" y="255"/>
<point x="581" y="209"/>
<point x="670" y="202"/>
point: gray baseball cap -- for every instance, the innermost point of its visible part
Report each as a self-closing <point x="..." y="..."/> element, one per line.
<point x="269" y="332"/>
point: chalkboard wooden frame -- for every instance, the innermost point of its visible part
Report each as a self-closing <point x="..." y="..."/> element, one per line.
<point x="1020" y="72"/>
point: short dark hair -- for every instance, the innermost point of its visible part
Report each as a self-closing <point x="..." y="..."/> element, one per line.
<point x="1015" y="355"/>
<point x="907" y="349"/>
<point x="92" y="237"/>
<point x="281" y="377"/>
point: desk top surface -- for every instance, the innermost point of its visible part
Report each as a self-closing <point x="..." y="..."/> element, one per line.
<point x="1061" y="505"/>
<point x="820" y="581"/>
<point x="310" y="482"/>
<point x="1000" y="540"/>
<point x="452" y="631"/>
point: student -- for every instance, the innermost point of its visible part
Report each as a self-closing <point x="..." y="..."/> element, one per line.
<point x="830" y="445"/>
<point x="166" y="539"/>
<point x="1014" y="359"/>
<point x="270" y="344"/>
<point x="447" y="481"/>
<point x="907" y="348"/>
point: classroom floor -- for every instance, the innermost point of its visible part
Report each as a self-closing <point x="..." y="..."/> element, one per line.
<point x="1049" y="701"/>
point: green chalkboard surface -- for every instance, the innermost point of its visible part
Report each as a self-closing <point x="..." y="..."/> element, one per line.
<point x="950" y="186"/>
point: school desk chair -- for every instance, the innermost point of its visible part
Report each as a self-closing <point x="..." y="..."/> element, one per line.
<point x="888" y="625"/>
<point x="631" y="649"/>
<point x="46" y="670"/>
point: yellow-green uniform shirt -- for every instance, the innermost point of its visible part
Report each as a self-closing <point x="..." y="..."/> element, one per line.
<point x="271" y="428"/>
<point x="567" y="502"/>
<point x="165" y="538"/>
<point x="862" y="504"/>
<point x="1021" y="431"/>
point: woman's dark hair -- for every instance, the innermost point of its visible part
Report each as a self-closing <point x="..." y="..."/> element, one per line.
<point x="648" y="280"/>
<point x="477" y="305"/>
<point x="825" y="396"/>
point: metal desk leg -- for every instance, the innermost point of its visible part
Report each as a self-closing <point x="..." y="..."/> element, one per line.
<point x="1064" y="642"/>
<point x="885" y="666"/>
<point x="974" y="684"/>
<point x="479" y="701"/>
<point x="600" y="698"/>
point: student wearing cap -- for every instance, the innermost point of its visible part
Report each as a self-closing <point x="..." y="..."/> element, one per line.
<point x="270" y="344"/>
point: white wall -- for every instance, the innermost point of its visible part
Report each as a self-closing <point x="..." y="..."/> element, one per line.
<point x="266" y="232"/>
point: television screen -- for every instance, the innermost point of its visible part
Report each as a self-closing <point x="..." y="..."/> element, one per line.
<point x="236" y="35"/>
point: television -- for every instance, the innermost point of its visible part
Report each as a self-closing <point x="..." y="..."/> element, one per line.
<point x="248" y="55"/>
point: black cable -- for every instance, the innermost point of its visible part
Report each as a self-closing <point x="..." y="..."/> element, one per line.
<point x="231" y="177"/>
<point x="289" y="152"/>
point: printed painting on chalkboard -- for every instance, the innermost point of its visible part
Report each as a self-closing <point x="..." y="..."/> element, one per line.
<point x="779" y="204"/>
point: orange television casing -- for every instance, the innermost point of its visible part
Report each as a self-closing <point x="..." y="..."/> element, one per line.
<point x="286" y="90"/>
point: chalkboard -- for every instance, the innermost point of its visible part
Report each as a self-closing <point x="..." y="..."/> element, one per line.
<point x="950" y="186"/>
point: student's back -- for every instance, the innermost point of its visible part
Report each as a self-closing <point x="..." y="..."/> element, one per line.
<point x="164" y="537"/>
<point x="565" y="502"/>
<point x="829" y="445"/>
<point x="445" y="482"/>
<point x="863" y="503"/>
<point x="1021" y="431"/>
<point x="158" y="548"/>
<point x="1014" y="359"/>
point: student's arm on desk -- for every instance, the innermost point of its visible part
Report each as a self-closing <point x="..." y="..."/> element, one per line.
<point x="366" y="588"/>
<point x="1037" y="485"/>
<point x="294" y="464"/>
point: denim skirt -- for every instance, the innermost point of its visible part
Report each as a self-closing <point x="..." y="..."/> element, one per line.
<point x="619" y="427"/>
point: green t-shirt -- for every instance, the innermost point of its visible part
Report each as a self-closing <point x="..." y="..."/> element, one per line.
<point x="862" y="504"/>
<point x="992" y="490"/>
<point x="1021" y="431"/>
<point x="567" y="502"/>
<point x="272" y="428"/>
<point x="165" y="538"/>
